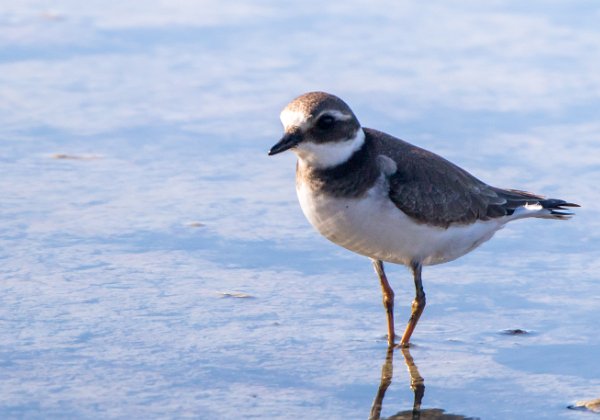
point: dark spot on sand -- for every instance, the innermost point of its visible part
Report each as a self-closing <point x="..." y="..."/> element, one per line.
<point x="516" y="331"/>
<point x="65" y="156"/>
<point x="236" y="295"/>
<point x="196" y="224"/>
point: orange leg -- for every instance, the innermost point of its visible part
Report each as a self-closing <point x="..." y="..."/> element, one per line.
<point x="388" y="300"/>
<point x="417" y="305"/>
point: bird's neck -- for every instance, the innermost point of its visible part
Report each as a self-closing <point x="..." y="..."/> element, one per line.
<point x="350" y="178"/>
<point x="329" y="154"/>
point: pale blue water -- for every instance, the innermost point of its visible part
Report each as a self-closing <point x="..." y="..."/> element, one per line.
<point x="154" y="261"/>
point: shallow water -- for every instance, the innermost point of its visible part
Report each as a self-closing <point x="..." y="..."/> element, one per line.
<point x="155" y="262"/>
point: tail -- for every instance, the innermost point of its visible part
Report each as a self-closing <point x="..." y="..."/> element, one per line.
<point x="521" y="204"/>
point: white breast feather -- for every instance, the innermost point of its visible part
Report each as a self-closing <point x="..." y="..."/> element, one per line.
<point x="373" y="226"/>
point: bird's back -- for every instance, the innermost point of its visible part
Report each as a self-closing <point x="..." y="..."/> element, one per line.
<point x="435" y="191"/>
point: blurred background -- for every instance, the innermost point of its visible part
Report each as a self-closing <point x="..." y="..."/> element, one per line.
<point x="155" y="262"/>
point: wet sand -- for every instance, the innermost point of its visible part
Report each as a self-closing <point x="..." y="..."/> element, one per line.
<point x="155" y="262"/>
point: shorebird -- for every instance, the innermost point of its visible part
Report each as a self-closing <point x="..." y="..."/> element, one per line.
<point x="391" y="201"/>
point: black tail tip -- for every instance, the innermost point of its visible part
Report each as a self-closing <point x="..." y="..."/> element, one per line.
<point x="559" y="208"/>
<point x="554" y="203"/>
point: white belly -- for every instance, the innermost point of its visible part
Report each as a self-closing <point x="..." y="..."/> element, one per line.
<point x="373" y="226"/>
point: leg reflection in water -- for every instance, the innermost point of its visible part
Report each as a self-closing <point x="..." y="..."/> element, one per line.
<point x="417" y="384"/>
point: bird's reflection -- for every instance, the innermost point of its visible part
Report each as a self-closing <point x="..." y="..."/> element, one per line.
<point x="417" y="384"/>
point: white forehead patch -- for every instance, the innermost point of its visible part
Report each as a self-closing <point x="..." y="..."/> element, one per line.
<point x="293" y="119"/>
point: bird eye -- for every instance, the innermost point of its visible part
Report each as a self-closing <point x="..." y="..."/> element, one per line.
<point x="325" y="122"/>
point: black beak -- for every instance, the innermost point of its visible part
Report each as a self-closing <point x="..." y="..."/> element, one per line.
<point x="288" y="141"/>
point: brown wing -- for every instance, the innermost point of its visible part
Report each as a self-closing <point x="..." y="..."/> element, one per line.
<point x="433" y="190"/>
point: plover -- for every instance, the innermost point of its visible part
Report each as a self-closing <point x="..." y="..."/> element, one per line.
<point x="391" y="201"/>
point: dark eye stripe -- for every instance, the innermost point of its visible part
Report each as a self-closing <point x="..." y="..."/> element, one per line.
<point x="325" y="122"/>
